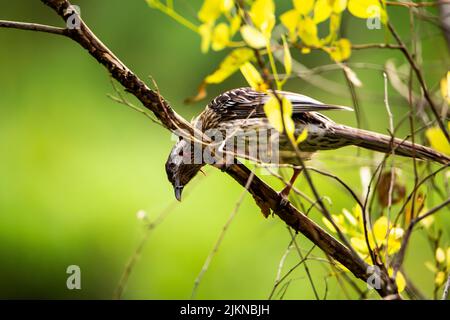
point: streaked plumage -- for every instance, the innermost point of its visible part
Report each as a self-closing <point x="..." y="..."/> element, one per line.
<point x="241" y="111"/>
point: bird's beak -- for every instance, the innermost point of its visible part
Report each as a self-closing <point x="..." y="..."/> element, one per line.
<point x="178" y="190"/>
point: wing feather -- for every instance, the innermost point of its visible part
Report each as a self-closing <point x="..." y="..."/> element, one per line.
<point x="246" y="102"/>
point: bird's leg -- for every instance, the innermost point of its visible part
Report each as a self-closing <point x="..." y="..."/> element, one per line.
<point x="285" y="192"/>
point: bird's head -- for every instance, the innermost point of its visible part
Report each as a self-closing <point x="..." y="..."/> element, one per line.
<point x="180" y="166"/>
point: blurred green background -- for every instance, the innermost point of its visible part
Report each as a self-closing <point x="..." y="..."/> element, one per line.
<point x="75" y="166"/>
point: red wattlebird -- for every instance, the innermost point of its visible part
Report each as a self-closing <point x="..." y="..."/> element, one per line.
<point x="239" y="112"/>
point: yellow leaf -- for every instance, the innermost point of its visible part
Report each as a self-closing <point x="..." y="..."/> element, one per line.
<point x="335" y="24"/>
<point x="307" y="30"/>
<point x="276" y="117"/>
<point x="210" y="10"/>
<point x="205" y="33"/>
<point x="253" y="77"/>
<point x="220" y="36"/>
<point x="273" y="113"/>
<point x="287" y="117"/>
<point x="445" y="87"/>
<point x="226" y="5"/>
<point x="302" y="136"/>
<point x="365" y="9"/>
<point x="380" y="232"/>
<point x="303" y="6"/>
<point x="230" y="65"/>
<point x="440" y="278"/>
<point x="438" y="140"/>
<point x="394" y="240"/>
<point x="253" y="37"/>
<point x="290" y="20"/>
<point x="341" y="50"/>
<point x="440" y="255"/>
<point x="235" y="24"/>
<point x="287" y="58"/>
<point x="360" y="245"/>
<point x="339" y="5"/>
<point x="399" y="280"/>
<point x="262" y="13"/>
<point x="306" y="50"/>
<point x="380" y="228"/>
<point x="322" y="10"/>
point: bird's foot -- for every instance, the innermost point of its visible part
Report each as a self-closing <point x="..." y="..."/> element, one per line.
<point x="284" y="197"/>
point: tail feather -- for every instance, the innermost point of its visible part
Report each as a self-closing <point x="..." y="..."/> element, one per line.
<point x="383" y="143"/>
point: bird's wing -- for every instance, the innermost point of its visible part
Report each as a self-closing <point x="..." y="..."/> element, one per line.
<point x="246" y="102"/>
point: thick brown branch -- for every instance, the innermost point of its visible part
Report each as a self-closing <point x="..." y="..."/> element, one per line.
<point x="265" y="196"/>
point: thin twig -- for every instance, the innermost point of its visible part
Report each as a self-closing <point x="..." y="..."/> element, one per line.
<point x="398" y="260"/>
<point x="221" y="237"/>
<point x="421" y="80"/>
<point x="308" y="273"/>
<point x="277" y="283"/>
<point x="33" y="27"/>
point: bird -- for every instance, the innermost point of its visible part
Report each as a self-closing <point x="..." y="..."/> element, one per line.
<point x="239" y="111"/>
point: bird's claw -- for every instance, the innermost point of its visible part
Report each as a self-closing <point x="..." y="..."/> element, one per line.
<point x="284" y="201"/>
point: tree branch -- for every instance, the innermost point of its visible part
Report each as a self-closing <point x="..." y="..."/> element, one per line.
<point x="33" y="27"/>
<point x="265" y="197"/>
<point x="422" y="82"/>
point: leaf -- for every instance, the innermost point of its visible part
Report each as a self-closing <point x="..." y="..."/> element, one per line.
<point x="205" y="33"/>
<point x="302" y="136"/>
<point x="365" y="9"/>
<point x="253" y="77"/>
<point x="438" y="140"/>
<point x="253" y="37"/>
<point x="359" y="245"/>
<point x="440" y="278"/>
<point x="220" y="36"/>
<point x="287" y="58"/>
<point x="440" y="255"/>
<point x="399" y="280"/>
<point x="322" y="10"/>
<point x="384" y="189"/>
<point x="210" y="11"/>
<point x="226" y="5"/>
<point x="341" y="50"/>
<point x="307" y="30"/>
<point x="235" y="24"/>
<point x="290" y="20"/>
<point x="272" y="111"/>
<point x="445" y="87"/>
<point x="230" y="65"/>
<point x="276" y="117"/>
<point x="262" y="13"/>
<point x="303" y="6"/>
<point x="339" y="5"/>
